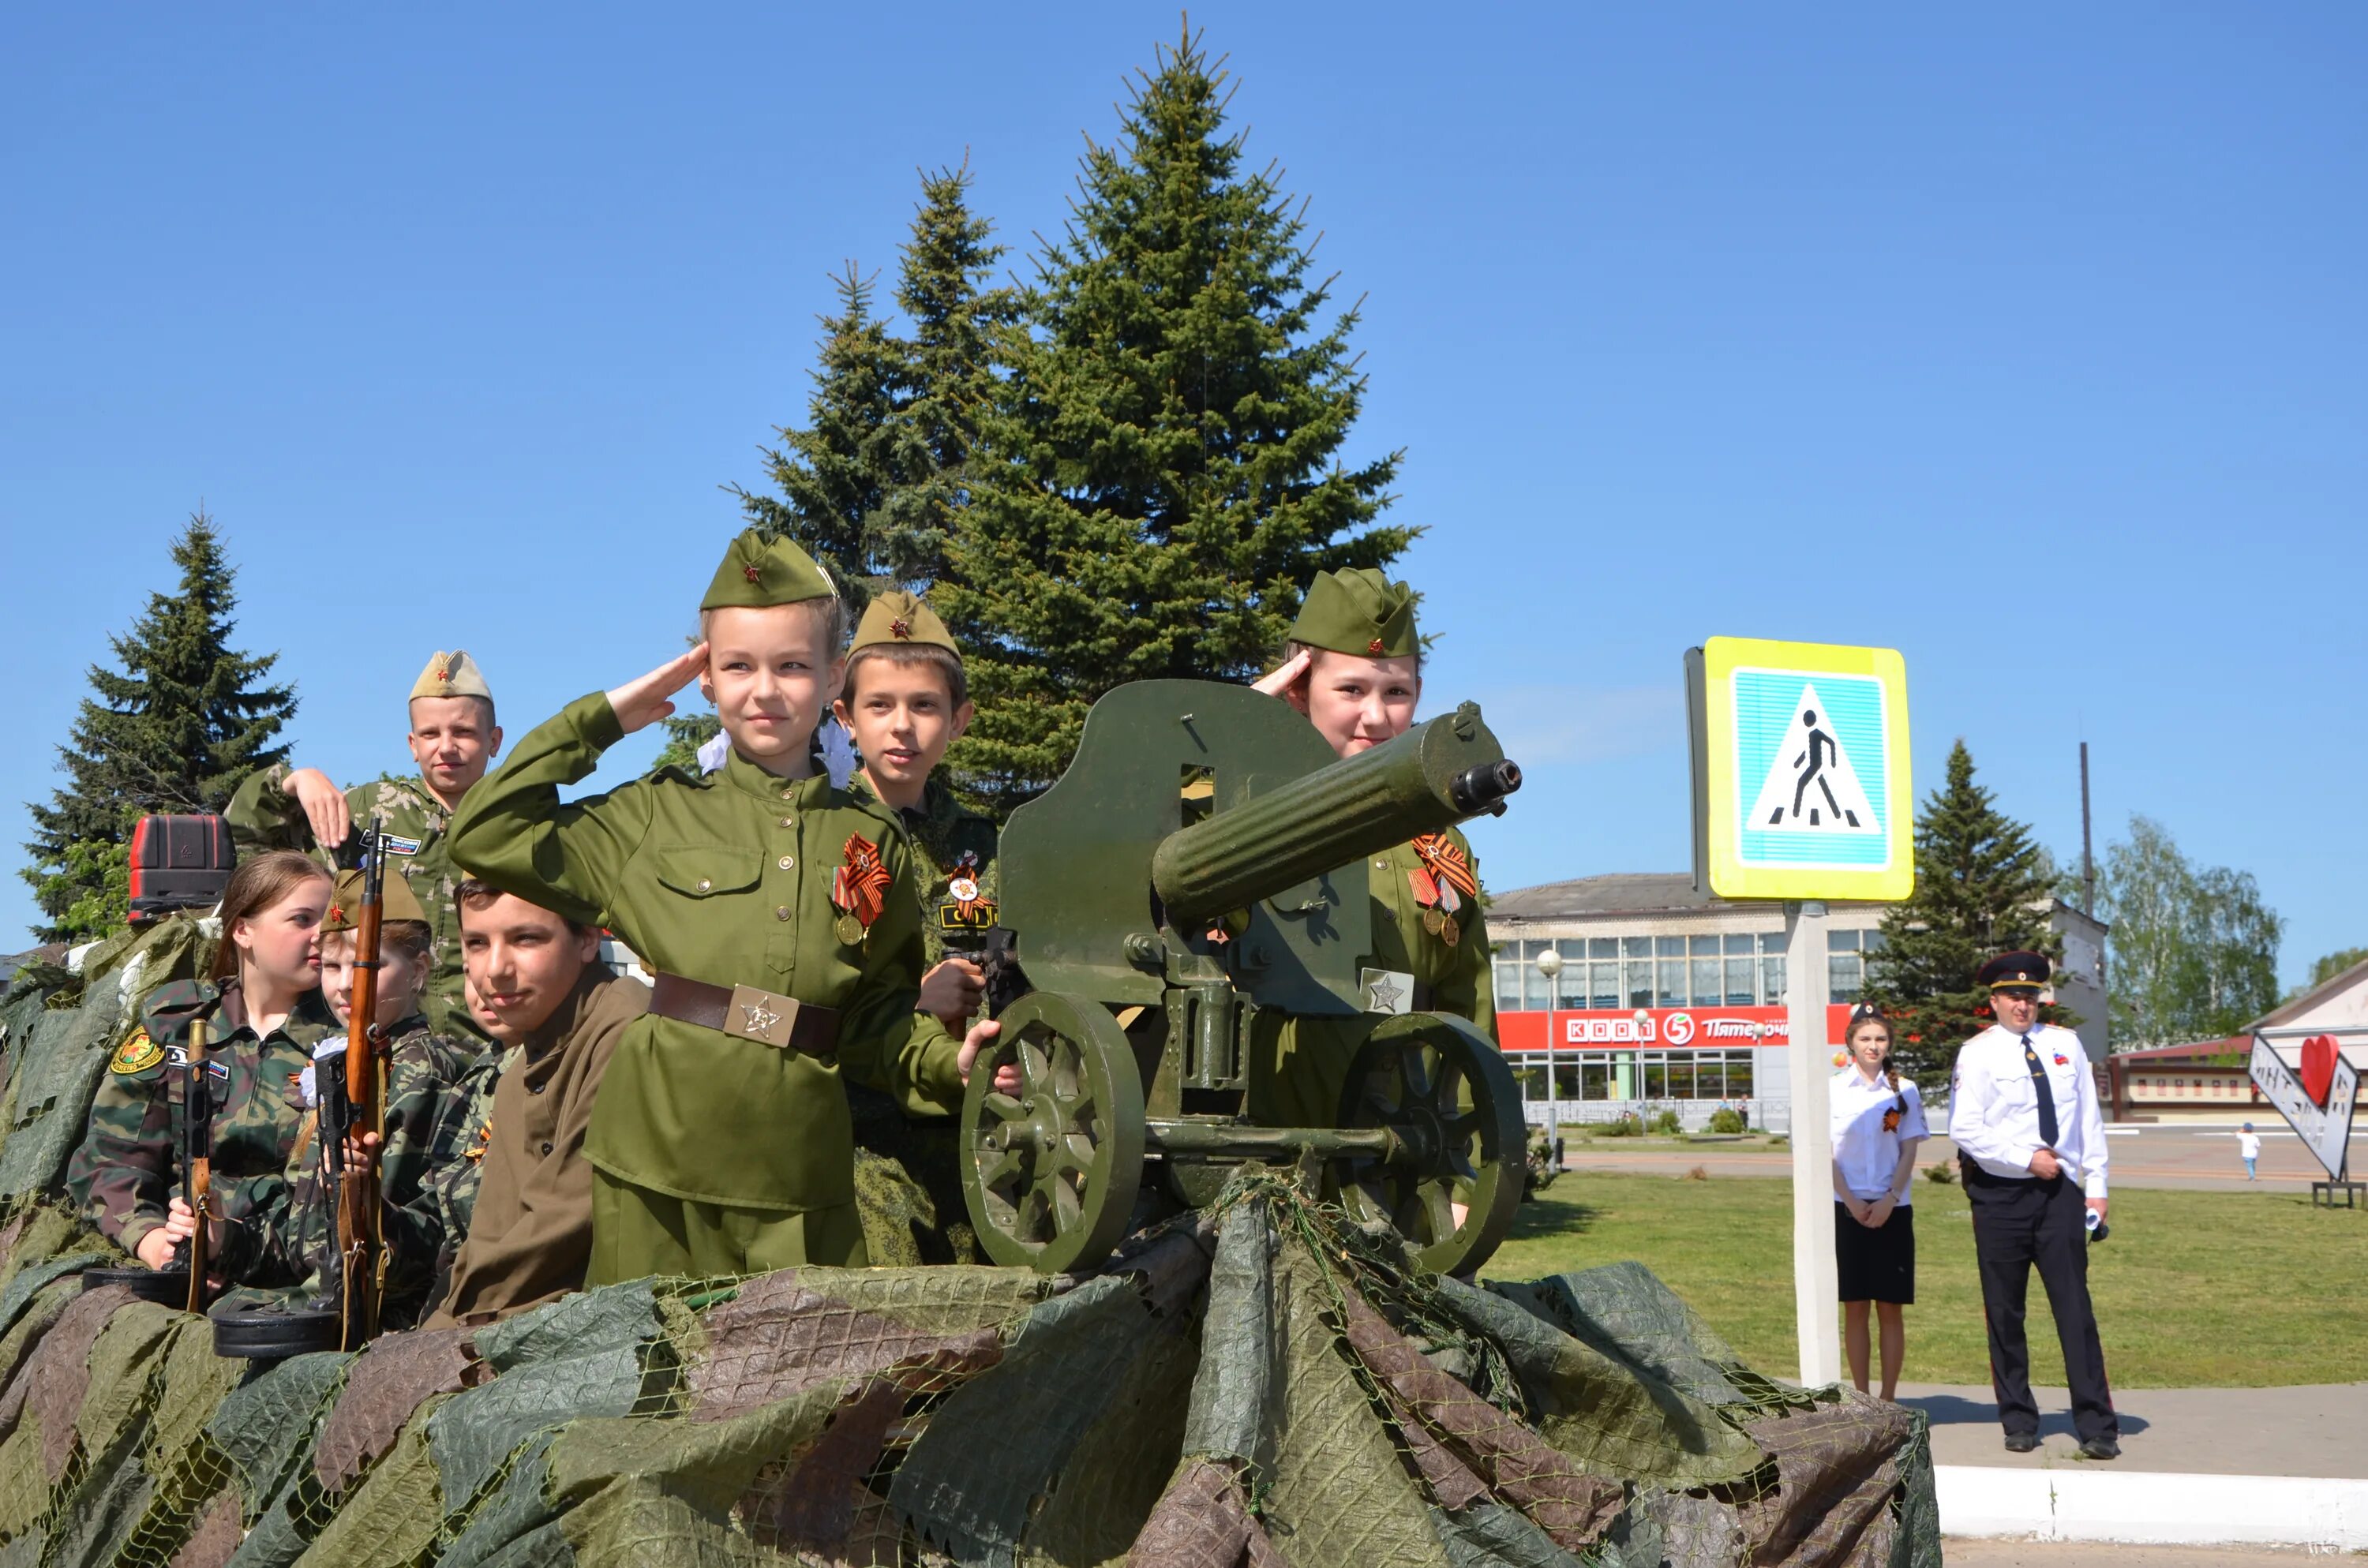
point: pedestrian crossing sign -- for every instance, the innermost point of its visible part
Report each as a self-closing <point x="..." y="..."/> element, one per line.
<point x="1800" y="770"/>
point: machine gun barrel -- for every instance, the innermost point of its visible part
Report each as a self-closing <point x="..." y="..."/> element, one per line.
<point x="1437" y="774"/>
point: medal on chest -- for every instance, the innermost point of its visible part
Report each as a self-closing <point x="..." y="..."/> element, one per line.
<point x="966" y="905"/>
<point x="1442" y="882"/>
<point x="859" y="889"/>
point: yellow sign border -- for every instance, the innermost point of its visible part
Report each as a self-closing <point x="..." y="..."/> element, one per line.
<point x="1722" y="656"/>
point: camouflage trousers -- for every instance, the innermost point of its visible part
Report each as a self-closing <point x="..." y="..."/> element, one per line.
<point x="908" y="1184"/>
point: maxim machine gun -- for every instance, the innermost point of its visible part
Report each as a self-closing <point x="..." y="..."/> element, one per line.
<point x="1196" y="876"/>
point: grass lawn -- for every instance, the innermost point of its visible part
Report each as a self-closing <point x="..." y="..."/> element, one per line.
<point x="2192" y="1288"/>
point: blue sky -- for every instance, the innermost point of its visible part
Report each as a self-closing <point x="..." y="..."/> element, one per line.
<point x="2027" y="340"/>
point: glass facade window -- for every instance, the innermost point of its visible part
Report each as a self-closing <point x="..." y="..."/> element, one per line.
<point x="1602" y="948"/>
<point x="1724" y="1075"/>
<point x="1603" y="983"/>
<point x="1672" y="991"/>
<point x="1739" y="991"/>
<point x="1708" y="988"/>
<point x="1640" y="981"/>
<point x="1614" y="974"/>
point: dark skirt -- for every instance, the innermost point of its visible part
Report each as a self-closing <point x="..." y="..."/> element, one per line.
<point x="1876" y="1265"/>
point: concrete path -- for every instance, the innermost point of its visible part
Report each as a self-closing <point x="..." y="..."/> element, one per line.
<point x="2197" y="1158"/>
<point x="1960" y="1553"/>
<point x="2313" y="1430"/>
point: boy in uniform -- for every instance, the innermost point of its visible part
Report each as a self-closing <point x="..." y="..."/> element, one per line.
<point x="907" y="699"/>
<point x="453" y="739"/>
<point x="779" y="916"/>
<point x="1354" y="666"/>
<point x="419" y="1069"/>
<point x="559" y="1012"/>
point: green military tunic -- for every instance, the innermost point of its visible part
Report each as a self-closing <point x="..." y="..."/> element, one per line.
<point x="263" y="817"/>
<point x="725" y="877"/>
<point x="128" y="1169"/>
<point x="914" y="1212"/>
<point x="1298" y="1067"/>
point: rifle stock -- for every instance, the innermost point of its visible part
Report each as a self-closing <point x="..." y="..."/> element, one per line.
<point x="197" y="1157"/>
<point x="360" y="1238"/>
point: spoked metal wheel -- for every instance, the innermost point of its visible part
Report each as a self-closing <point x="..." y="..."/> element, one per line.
<point x="1453" y="1183"/>
<point x="1051" y="1174"/>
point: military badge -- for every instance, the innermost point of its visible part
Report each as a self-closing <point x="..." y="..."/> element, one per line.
<point x="1891" y="1121"/>
<point x="967" y="907"/>
<point x="395" y="845"/>
<point x="476" y="1151"/>
<point x="136" y="1055"/>
<point x="859" y="888"/>
<point x="2062" y="1060"/>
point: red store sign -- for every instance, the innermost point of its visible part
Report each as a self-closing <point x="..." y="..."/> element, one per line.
<point x="1581" y="1028"/>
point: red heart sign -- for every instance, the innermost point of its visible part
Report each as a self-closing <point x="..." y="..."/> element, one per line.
<point x="2317" y="1068"/>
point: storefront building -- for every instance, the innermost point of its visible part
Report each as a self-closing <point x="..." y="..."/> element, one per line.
<point x="1667" y="999"/>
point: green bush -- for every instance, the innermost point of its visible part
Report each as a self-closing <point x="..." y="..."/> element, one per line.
<point x="1940" y="1171"/>
<point x="1668" y="1122"/>
<point x="1726" y="1118"/>
<point x="1628" y="1125"/>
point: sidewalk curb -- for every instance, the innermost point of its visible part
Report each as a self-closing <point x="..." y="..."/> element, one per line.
<point x="2152" y="1507"/>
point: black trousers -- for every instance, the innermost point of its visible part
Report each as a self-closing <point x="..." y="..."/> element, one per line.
<point x="2017" y="1224"/>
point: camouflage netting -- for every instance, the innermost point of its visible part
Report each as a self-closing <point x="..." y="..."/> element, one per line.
<point x="1259" y="1384"/>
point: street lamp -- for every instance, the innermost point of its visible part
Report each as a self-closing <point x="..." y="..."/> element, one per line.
<point x="1550" y="965"/>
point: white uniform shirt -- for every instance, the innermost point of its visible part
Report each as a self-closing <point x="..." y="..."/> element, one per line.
<point x="2249" y="1145"/>
<point x="1994" y="1113"/>
<point x="1865" y="1152"/>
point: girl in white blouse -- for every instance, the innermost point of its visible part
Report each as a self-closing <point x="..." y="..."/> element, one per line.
<point x="1878" y="1119"/>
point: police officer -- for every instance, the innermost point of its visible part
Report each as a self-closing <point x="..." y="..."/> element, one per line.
<point x="2032" y="1145"/>
<point x="453" y="739"/>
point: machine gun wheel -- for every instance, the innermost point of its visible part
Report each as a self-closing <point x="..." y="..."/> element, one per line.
<point x="1051" y="1174"/>
<point x="1446" y="1094"/>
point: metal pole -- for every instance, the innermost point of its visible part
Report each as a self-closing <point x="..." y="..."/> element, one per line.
<point x="1815" y="1286"/>
<point x="2088" y="861"/>
<point x="1549" y="966"/>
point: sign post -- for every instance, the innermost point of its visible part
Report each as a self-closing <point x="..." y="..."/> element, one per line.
<point x="1801" y="792"/>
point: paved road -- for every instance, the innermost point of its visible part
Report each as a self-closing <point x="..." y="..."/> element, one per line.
<point x="2197" y="1158"/>
<point x="1960" y="1553"/>
<point x="2309" y="1430"/>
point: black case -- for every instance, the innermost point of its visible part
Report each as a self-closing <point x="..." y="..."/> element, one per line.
<point x="178" y="862"/>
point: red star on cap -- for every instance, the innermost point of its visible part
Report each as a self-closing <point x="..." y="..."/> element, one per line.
<point x="750" y="572"/>
<point x="444" y="675"/>
<point x="900" y="628"/>
<point x="1375" y="646"/>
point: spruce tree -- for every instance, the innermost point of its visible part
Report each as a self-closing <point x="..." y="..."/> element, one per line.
<point x="959" y="331"/>
<point x="175" y="730"/>
<point x="1163" y="473"/>
<point x="1982" y="888"/>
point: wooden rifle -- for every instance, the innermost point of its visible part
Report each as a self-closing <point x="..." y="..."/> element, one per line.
<point x="359" y="1109"/>
<point x="197" y="1157"/>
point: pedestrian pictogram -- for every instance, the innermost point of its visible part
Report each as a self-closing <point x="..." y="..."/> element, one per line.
<point x="1813" y="785"/>
<point x="1801" y="783"/>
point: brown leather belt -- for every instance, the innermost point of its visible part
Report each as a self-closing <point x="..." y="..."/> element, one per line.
<point x="746" y="1013"/>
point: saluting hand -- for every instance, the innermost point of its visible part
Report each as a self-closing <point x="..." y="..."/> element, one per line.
<point x="324" y="803"/>
<point x="640" y="703"/>
<point x="1285" y="682"/>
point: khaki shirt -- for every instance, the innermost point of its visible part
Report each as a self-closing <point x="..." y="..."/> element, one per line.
<point x="530" y="1235"/>
<point x="725" y="877"/>
<point x="951" y="845"/>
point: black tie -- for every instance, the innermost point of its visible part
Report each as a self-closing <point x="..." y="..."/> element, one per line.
<point x="2046" y="1093"/>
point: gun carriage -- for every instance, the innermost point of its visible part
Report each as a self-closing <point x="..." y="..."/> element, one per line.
<point x="1197" y="876"/>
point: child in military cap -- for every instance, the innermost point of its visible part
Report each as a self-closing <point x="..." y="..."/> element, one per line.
<point x="418" y="1070"/>
<point x="262" y="1003"/>
<point x="907" y="698"/>
<point x="453" y="739"/>
<point x="1354" y="666"/>
<point x="778" y="913"/>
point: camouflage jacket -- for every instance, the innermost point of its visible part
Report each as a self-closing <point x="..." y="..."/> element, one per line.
<point x="129" y="1166"/>
<point x="953" y="868"/>
<point x="262" y="816"/>
<point x="464" y="1127"/>
<point x="296" y="1238"/>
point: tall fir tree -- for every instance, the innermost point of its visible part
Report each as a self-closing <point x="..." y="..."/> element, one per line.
<point x="1982" y="888"/>
<point x="175" y="730"/>
<point x="960" y="334"/>
<point x="1164" y="464"/>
